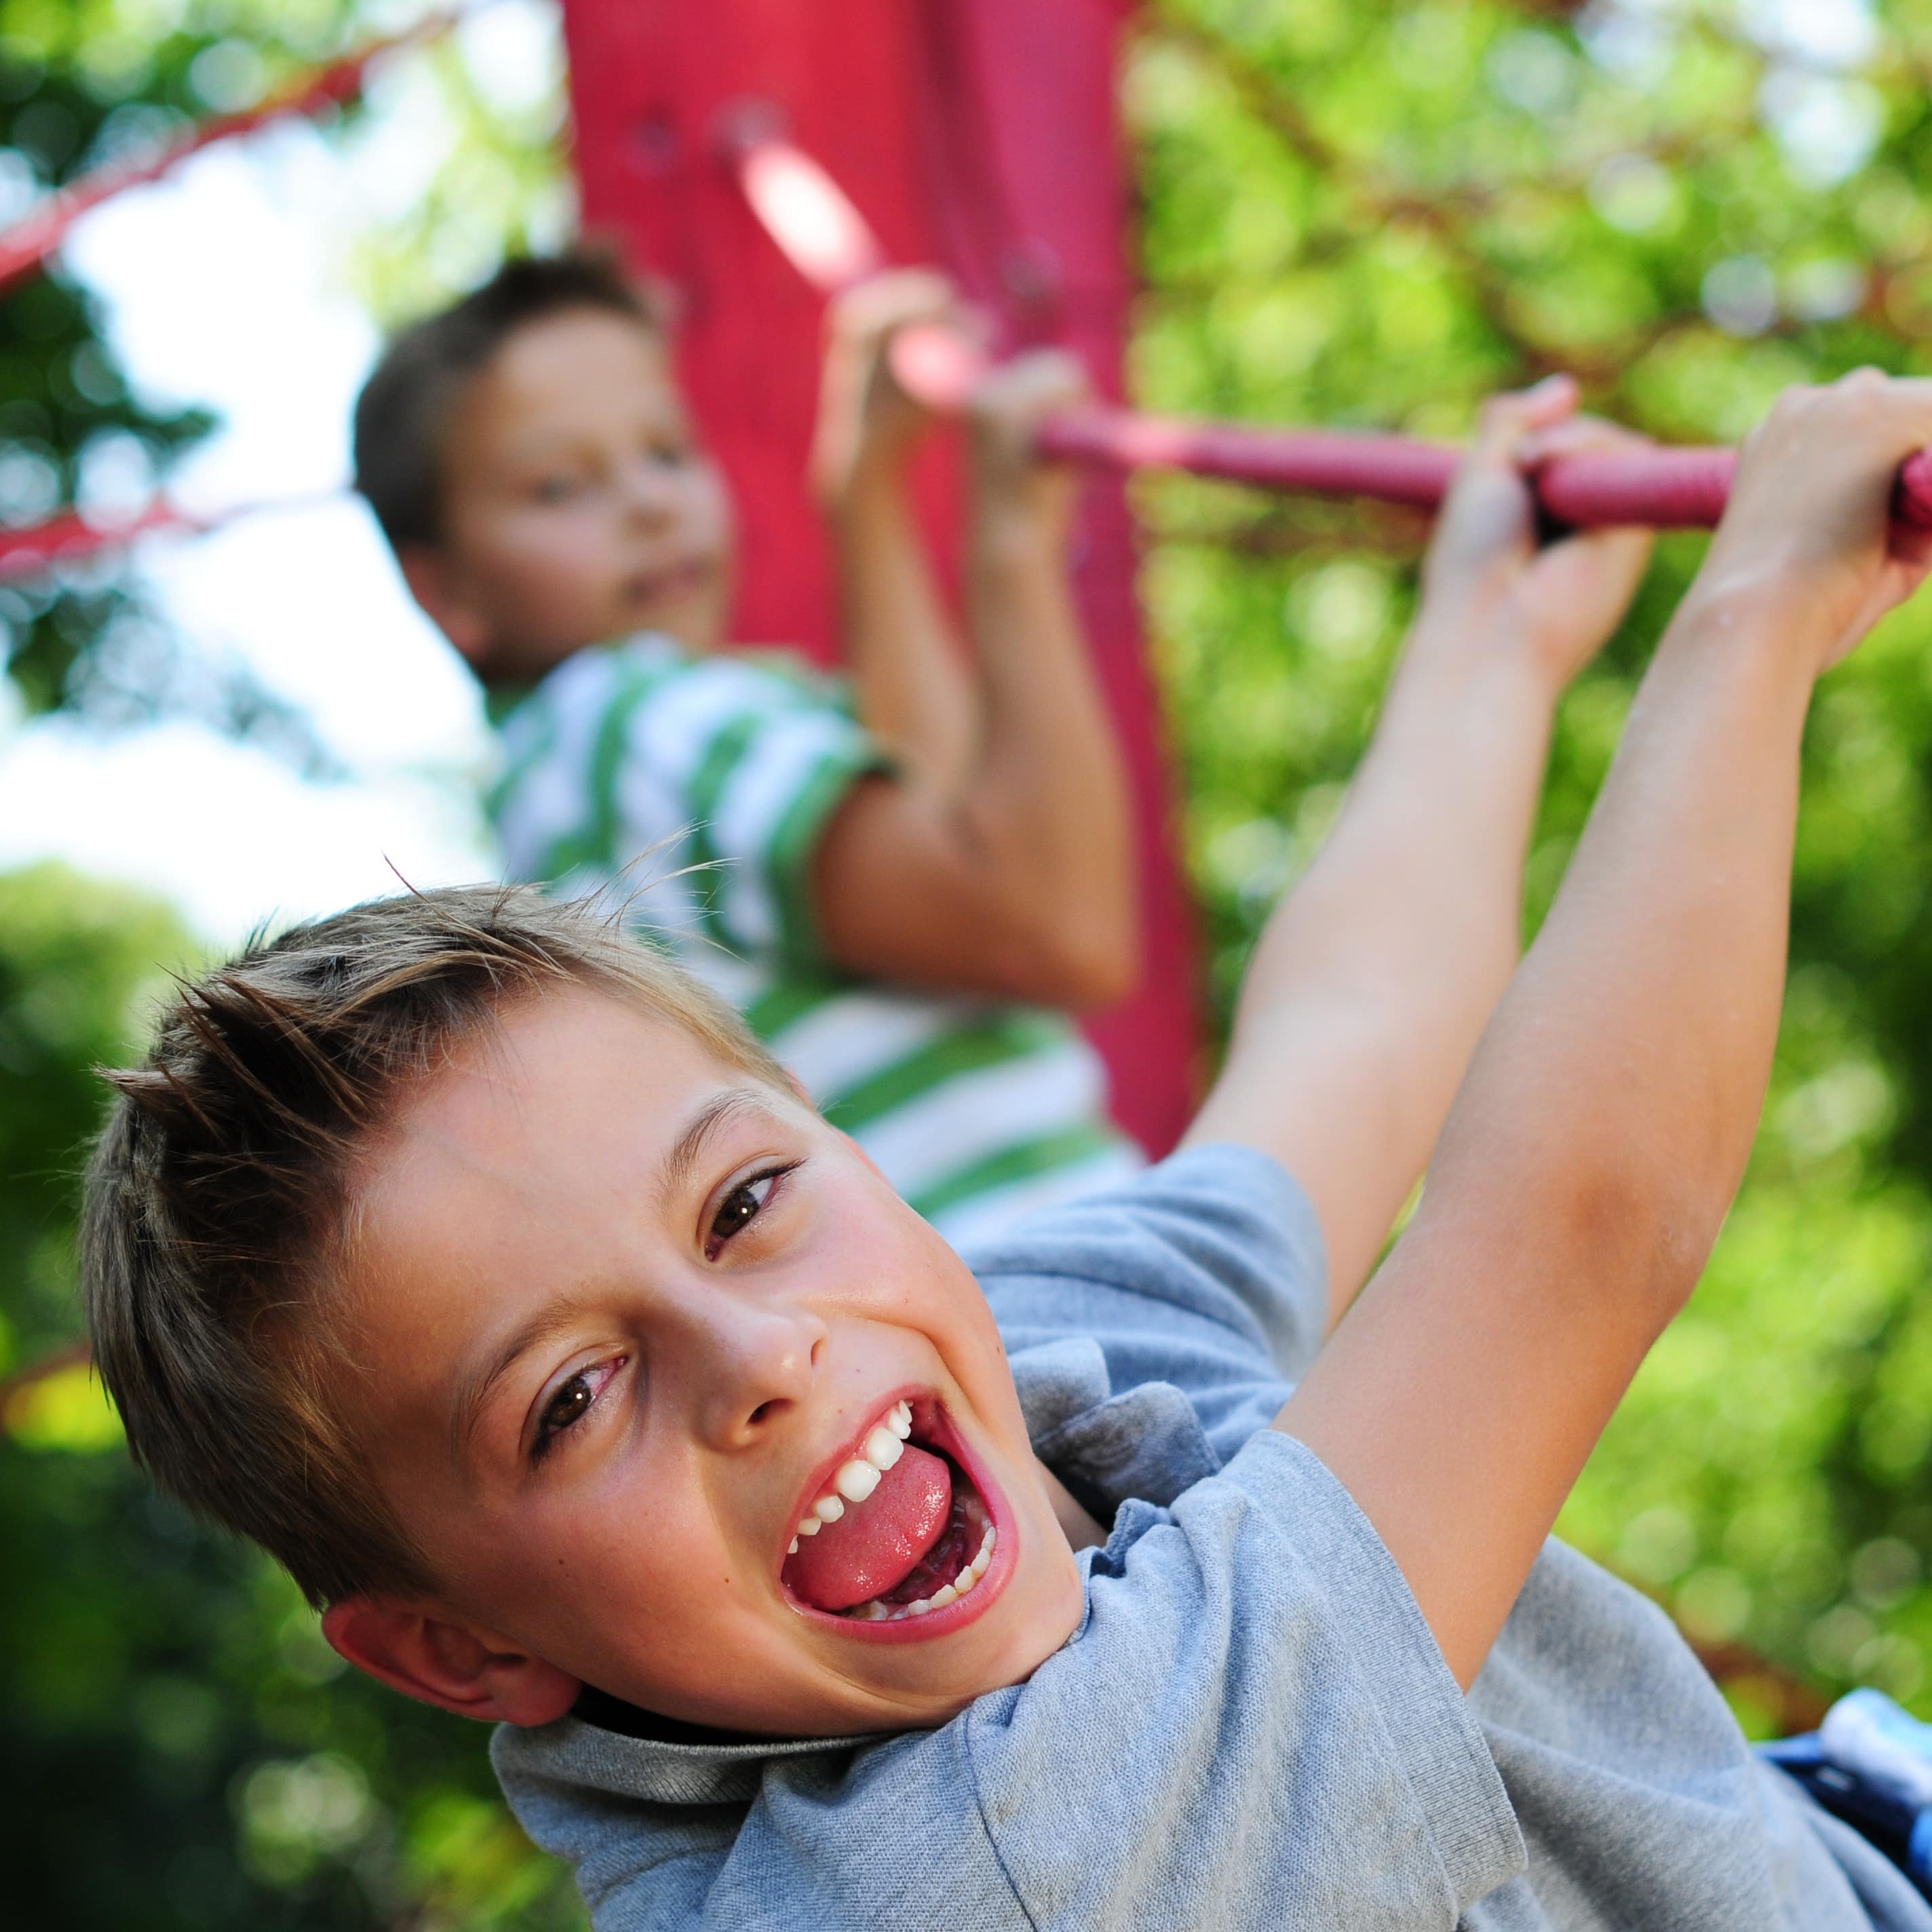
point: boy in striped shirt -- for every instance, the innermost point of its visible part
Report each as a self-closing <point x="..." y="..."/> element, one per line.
<point x="902" y="881"/>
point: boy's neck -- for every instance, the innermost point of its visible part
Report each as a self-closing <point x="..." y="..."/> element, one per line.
<point x="1082" y="1530"/>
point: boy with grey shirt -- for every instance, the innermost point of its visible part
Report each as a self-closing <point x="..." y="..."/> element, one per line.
<point x="481" y="1268"/>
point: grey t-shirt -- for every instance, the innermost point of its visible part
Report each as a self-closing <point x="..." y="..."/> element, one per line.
<point x="1252" y="1727"/>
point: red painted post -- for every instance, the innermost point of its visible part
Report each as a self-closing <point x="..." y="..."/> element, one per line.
<point x="978" y="134"/>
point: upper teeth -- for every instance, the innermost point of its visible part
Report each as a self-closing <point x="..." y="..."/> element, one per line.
<point x="854" y="1480"/>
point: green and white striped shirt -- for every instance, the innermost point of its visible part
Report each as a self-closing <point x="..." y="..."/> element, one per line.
<point x="977" y="1112"/>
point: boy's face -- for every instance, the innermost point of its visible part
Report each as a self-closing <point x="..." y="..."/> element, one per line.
<point x="623" y="1316"/>
<point x="578" y="505"/>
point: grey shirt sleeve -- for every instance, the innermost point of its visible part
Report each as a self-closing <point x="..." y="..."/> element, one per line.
<point x="1206" y="1273"/>
<point x="1252" y="1727"/>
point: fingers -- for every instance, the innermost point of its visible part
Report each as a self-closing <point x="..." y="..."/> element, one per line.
<point x="1004" y="412"/>
<point x="1578" y="436"/>
<point x="893" y="300"/>
<point x="1507" y="421"/>
<point x="1031" y="385"/>
<point x="1905" y="401"/>
<point x="1883" y="416"/>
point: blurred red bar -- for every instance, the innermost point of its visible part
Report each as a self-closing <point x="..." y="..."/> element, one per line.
<point x="823" y="236"/>
<point x="68" y="537"/>
<point x="25" y="246"/>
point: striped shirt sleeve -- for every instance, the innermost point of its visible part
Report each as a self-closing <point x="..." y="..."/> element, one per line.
<point x="744" y="765"/>
<point x="723" y="766"/>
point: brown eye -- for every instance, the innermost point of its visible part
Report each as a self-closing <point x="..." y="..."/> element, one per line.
<point x="567" y="1405"/>
<point x="742" y="1206"/>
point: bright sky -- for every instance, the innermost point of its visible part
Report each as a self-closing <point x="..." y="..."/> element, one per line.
<point x="224" y="288"/>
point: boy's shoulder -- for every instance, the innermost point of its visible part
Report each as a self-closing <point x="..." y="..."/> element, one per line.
<point x="1194" y="1294"/>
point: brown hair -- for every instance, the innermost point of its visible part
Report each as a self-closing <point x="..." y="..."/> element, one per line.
<point x="218" y="1191"/>
<point x="403" y="413"/>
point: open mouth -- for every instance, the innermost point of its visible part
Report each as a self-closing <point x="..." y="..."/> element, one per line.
<point x="900" y="1532"/>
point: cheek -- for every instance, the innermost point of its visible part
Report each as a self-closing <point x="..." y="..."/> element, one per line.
<point x="534" y="566"/>
<point x="552" y="553"/>
<point x="708" y="516"/>
<point x="638" y="1545"/>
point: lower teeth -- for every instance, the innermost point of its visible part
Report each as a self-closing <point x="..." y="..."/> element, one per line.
<point x="877" y="1612"/>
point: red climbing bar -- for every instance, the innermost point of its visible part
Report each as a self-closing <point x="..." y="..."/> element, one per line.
<point x="1329" y="463"/>
<point x="1668" y="489"/>
<point x="25" y="246"/>
<point x="68" y="537"/>
<point x="825" y="238"/>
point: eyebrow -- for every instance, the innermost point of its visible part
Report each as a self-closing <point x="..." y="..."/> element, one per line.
<point x="674" y="1173"/>
<point x="717" y="1112"/>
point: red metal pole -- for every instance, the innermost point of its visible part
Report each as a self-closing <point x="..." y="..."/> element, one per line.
<point x="1681" y="488"/>
<point x="24" y="247"/>
<point x="68" y="536"/>
<point x="823" y="236"/>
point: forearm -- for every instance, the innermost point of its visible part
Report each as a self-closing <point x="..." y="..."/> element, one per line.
<point x="1371" y="982"/>
<point x="1045" y="798"/>
<point x="912" y="687"/>
<point x="1594" y="1149"/>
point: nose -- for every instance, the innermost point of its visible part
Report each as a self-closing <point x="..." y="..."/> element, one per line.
<point x="649" y="489"/>
<point x="759" y="1359"/>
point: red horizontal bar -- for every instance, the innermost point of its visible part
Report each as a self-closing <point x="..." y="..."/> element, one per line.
<point x="25" y="246"/>
<point x="1666" y="488"/>
<point x="68" y="536"/>
<point x="825" y="238"/>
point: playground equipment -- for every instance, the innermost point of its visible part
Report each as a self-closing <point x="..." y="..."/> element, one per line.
<point x="826" y="238"/>
<point x="980" y="135"/>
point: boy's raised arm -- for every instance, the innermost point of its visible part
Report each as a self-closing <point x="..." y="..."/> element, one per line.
<point x="909" y="670"/>
<point x="1594" y="1146"/>
<point x="1371" y="984"/>
<point x="999" y="858"/>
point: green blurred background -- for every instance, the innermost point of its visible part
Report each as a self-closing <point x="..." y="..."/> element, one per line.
<point x="1354" y="212"/>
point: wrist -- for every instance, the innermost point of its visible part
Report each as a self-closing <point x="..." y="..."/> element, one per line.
<point x="1006" y="532"/>
<point x="875" y="482"/>
<point x="1493" y="648"/>
<point x="1761" y="614"/>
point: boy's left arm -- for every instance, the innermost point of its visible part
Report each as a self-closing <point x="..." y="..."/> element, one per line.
<point x="914" y="689"/>
<point x="999" y="858"/>
<point x="1370" y="986"/>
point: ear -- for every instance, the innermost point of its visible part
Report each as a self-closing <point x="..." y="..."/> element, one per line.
<point x="460" y="1667"/>
<point x="437" y="585"/>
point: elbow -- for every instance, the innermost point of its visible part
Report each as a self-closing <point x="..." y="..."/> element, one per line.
<point x="1640" y="1230"/>
<point x="1065" y="932"/>
<point x="1080" y="969"/>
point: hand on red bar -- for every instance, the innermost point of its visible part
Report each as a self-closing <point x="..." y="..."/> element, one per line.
<point x="868" y="418"/>
<point x="811" y="218"/>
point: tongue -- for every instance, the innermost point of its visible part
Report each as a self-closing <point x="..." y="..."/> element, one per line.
<point x="878" y="1542"/>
